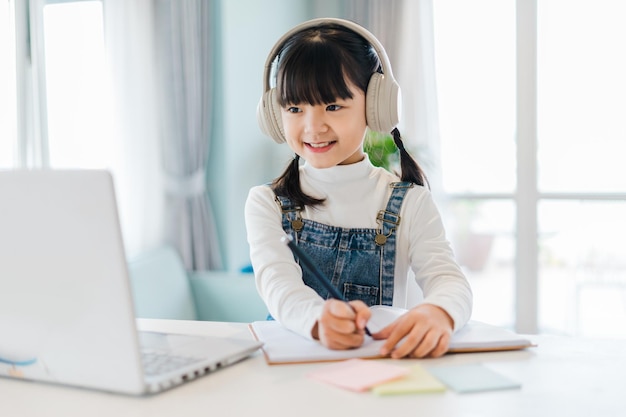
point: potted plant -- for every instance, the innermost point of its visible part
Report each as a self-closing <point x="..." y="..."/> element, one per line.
<point x="382" y="150"/>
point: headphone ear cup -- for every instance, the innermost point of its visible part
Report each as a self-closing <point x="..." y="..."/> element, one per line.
<point x="269" y="118"/>
<point x="382" y="103"/>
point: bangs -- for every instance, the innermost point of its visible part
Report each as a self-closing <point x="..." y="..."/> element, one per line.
<point x="313" y="73"/>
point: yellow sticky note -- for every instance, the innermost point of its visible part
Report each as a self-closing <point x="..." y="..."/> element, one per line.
<point x="417" y="381"/>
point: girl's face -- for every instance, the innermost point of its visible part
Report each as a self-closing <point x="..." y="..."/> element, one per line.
<point x="329" y="134"/>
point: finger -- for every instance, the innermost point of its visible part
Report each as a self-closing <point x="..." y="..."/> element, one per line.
<point x="338" y="316"/>
<point x="427" y="345"/>
<point x="442" y="346"/>
<point x="344" y="342"/>
<point x="403" y="330"/>
<point x="434" y="345"/>
<point x="385" y="332"/>
<point x="413" y="339"/>
<point x="336" y="324"/>
<point x="335" y="340"/>
<point x="358" y="305"/>
<point x="341" y="309"/>
<point x="362" y="312"/>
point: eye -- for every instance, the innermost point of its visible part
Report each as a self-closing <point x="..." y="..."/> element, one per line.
<point x="293" y="110"/>
<point x="333" y="107"/>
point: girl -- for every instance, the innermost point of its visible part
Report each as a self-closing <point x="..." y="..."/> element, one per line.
<point x="364" y="226"/>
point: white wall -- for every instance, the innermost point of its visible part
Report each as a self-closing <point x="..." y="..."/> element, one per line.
<point x="242" y="156"/>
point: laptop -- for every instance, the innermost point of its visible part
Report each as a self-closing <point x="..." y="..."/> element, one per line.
<point x="66" y="308"/>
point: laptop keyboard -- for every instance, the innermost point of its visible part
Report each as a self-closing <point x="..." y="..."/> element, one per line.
<point x="157" y="363"/>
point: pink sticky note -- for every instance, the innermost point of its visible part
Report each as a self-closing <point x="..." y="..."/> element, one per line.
<point x="358" y="374"/>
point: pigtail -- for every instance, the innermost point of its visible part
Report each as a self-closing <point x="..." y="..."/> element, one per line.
<point x="288" y="185"/>
<point x="410" y="169"/>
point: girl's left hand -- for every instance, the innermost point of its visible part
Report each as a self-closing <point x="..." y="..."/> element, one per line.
<point x="426" y="330"/>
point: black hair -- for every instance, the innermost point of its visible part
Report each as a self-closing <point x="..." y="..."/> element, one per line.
<point x="315" y="66"/>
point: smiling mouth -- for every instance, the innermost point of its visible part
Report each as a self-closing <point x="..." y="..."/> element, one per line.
<point x="320" y="144"/>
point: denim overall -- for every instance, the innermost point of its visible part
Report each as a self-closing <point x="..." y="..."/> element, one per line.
<point x="359" y="262"/>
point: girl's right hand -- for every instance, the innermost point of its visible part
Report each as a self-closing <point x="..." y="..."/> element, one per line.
<point x="342" y="325"/>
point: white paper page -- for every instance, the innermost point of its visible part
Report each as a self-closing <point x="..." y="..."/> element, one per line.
<point x="282" y="345"/>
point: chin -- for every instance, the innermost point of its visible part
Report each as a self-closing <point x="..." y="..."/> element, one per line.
<point x="321" y="165"/>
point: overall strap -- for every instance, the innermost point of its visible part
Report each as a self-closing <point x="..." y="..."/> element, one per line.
<point x="292" y="221"/>
<point x="388" y="221"/>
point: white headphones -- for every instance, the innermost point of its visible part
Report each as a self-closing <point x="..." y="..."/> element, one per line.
<point x="382" y="99"/>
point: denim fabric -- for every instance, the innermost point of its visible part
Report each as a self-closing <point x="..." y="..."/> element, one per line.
<point x="360" y="263"/>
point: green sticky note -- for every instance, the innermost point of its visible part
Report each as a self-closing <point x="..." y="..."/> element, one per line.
<point x="417" y="381"/>
<point x="472" y="378"/>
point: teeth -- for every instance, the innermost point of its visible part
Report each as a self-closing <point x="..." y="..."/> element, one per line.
<point x="319" y="145"/>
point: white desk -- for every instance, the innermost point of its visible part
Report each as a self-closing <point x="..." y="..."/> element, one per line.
<point x="560" y="377"/>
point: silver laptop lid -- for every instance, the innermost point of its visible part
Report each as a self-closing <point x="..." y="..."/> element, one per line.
<point x="66" y="314"/>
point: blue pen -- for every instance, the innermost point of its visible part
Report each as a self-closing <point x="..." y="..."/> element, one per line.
<point x="310" y="265"/>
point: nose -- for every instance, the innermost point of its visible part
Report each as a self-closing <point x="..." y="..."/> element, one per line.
<point x="315" y="121"/>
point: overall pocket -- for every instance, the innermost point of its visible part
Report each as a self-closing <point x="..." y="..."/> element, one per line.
<point x="366" y="293"/>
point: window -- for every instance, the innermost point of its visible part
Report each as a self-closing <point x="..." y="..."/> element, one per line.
<point x="475" y="67"/>
<point x="62" y="86"/>
<point x="581" y="173"/>
<point x="77" y="90"/>
<point x="579" y="195"/>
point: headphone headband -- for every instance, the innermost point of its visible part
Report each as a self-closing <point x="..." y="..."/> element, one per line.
<point x="378" y="47"/>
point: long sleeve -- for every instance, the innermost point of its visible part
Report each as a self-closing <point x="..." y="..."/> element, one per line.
<point x="431" y="258"/>
<point x="278" y="276"/>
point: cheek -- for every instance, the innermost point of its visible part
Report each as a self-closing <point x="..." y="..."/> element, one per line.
<point x="291" y="132"/>
<point x="289" y="127"/>
<point x="357" y="129"/>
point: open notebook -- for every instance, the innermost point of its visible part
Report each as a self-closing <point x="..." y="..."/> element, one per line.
<point x="66" y="314"/>
<point x="284" y="346"/>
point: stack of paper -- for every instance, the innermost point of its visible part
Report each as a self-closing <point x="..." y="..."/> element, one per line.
<point x="385" y="378"/>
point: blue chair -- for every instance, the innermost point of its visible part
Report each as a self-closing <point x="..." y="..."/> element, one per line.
<point x="223" y="296"/>
<point x="161" y="288"/>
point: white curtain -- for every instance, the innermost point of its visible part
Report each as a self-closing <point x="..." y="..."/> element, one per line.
<point x="186" y="37"/>
<point x="160" y="55"/>
<point x="128" y="27"/>
<point x="405" y="28"/>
